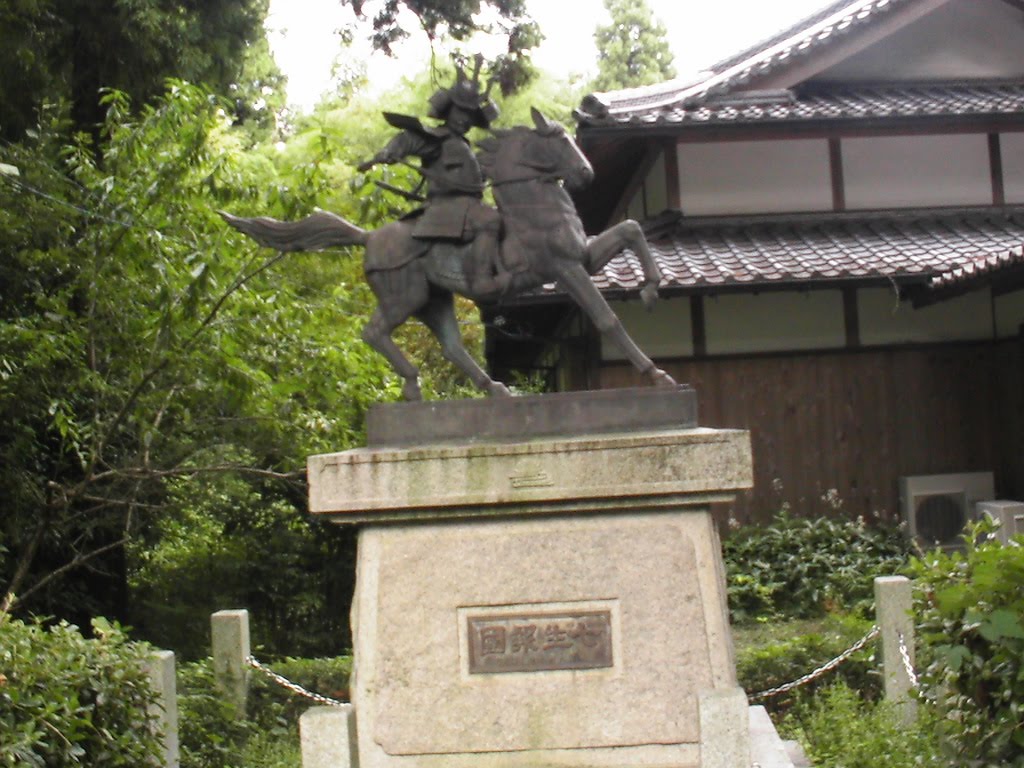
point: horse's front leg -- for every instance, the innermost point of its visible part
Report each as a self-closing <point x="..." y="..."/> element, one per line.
<point x="573" y="278"/>
<point x="626" y="234"/>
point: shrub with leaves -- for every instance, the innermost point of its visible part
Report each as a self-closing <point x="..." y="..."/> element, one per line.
<point x="771" y="654"/>
<point x="971" y="606"/>
<point x="211" y="736"/>
<point x="66" y="700"/>
<point x="840" y="729"/>
<point x="807" y="566"/>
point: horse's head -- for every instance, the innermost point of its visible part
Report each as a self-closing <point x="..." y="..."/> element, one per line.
<point x="545" y="151"/>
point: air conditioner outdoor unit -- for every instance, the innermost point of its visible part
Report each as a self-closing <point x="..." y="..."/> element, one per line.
<point x="936" y="508"/>
<point x="1009" y="514"/>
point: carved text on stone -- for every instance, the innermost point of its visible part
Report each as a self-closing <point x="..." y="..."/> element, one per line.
<point x="538" y="642"/>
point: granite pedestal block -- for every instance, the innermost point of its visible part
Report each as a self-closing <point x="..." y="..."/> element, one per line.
<point x="556" y="601"/>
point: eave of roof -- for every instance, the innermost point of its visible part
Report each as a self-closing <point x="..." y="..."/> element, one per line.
<point x="929" y="248"/>
<point x="838" y="104"/>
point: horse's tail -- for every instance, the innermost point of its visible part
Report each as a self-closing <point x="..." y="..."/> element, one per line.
<point x="313" y="233"/>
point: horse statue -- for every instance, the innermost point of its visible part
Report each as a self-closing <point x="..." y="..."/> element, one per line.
<point x="530" y="171"/>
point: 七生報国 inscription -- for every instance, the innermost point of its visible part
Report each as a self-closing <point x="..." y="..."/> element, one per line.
<point x="539" y="642"/>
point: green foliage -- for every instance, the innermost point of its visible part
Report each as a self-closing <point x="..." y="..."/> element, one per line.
<point x="67" y="701"/>
<point x="771" y="654"/>
<point x="633" y="49"/>
<point x="971" y="607"/>
<point x="68" y="50"/>
<point x="839" y="729"/>
<point x="160" y="372"/>
<point x="274" y="705"/>
<point x="212" y="738"/>
<point x="459" y="20"/>
<point x="235" y="545"/>
<point x="804" y="567"/>
<point x="209" y="735"/>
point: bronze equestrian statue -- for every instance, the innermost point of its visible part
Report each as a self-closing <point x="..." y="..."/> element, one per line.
<point x="456" y="244"/>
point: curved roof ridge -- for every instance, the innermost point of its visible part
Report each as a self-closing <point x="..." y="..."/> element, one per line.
<point x="812" y="33"/>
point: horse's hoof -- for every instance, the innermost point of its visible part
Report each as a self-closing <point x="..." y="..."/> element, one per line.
<point x="649" y="295"/>
<point x="411" y="391"/>
<point x="661" y="379"/>
<point x="497" y="389"/>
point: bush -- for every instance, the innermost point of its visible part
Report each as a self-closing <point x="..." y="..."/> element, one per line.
<point x="66" y="700"/>
<point x="839" y="729"/>
<point x="772" y="654"/>
<point x="273" y="705"/>
<point x="971" y="607"/>
<point x="210" y="735"/>
<point x="800" y="567"/>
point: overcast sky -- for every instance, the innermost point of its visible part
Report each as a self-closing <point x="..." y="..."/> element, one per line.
<point x="305" y="44"/>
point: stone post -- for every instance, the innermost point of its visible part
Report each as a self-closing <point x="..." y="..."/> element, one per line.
<point x="724" y="731"/>
<point x="160" y="668"/>
<point x="894" y="613"/>
<point x="230" y="630"/>
<point x="328" y="737"/>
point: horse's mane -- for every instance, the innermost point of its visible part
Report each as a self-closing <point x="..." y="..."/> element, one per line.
<point x="490" y="147"/>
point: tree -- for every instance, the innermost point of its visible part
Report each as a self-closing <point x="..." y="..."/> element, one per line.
<point x="155" y="367"/>
<point x="633" y="49"/>
<point x="68" y="50"/>
<point x="458" y="20"/>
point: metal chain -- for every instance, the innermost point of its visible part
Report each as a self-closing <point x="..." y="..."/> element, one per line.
<point x="905" y="655"/>
<point x="293" y="687"/>
<point x="822" y="670"/>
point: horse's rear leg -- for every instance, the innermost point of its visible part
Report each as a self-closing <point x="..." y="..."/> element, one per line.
<point x="575" y="280"/>
<point x="439" y="316"/>
<point x="626" y="234"/>
<point x="377" y="333"/>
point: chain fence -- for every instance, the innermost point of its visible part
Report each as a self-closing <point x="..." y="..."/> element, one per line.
<point x="824" y="669"/>
<point x="295" y="688"/>
<point x="908" y="667"/>
<point x="778" y="690"/>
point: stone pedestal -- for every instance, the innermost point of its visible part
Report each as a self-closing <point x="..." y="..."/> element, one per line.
<point x="556" y="601"/>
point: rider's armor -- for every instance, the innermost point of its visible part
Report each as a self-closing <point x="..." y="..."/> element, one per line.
<point x="454" y="210"/>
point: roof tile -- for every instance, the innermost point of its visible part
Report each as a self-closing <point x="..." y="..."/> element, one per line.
<point x="944" y="244"/>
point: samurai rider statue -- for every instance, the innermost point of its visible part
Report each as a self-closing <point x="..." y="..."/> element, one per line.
<point x="453" y="209"/>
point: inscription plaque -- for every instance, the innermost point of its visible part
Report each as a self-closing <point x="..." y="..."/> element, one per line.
<point x="539" y="642"/>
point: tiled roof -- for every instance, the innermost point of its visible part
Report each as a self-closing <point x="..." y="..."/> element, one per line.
<point x="978" y="268"/>
<point x="933" y="246"/>
<point x="841" y="102"/>
<point x="810" y="35"/>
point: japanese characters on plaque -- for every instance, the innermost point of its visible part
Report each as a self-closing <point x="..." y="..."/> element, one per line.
<point x="539" y="642"/>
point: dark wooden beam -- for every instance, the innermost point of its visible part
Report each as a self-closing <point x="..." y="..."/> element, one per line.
<point x="698" y="326"/>
<point x="835" y="162"/>
<point x="851" y="317"/>
<point x="995" y="161"/>
<point x="635" y="184"/>
<point x="672" y="192"/>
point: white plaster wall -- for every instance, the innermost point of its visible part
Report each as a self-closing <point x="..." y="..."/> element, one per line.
<point x="906" y="171"/>
<point x="754" y="177"/>
<point x="962" y="39"/>
<point x="664" y="332"/>
<point x="767" y="322"/>
<point x="1011" y="147"/>
<point x="886" y="320"/>
<point x="1009" y="314"/>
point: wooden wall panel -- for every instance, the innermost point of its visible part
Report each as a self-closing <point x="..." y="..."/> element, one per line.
<point x="857" y="421"/>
